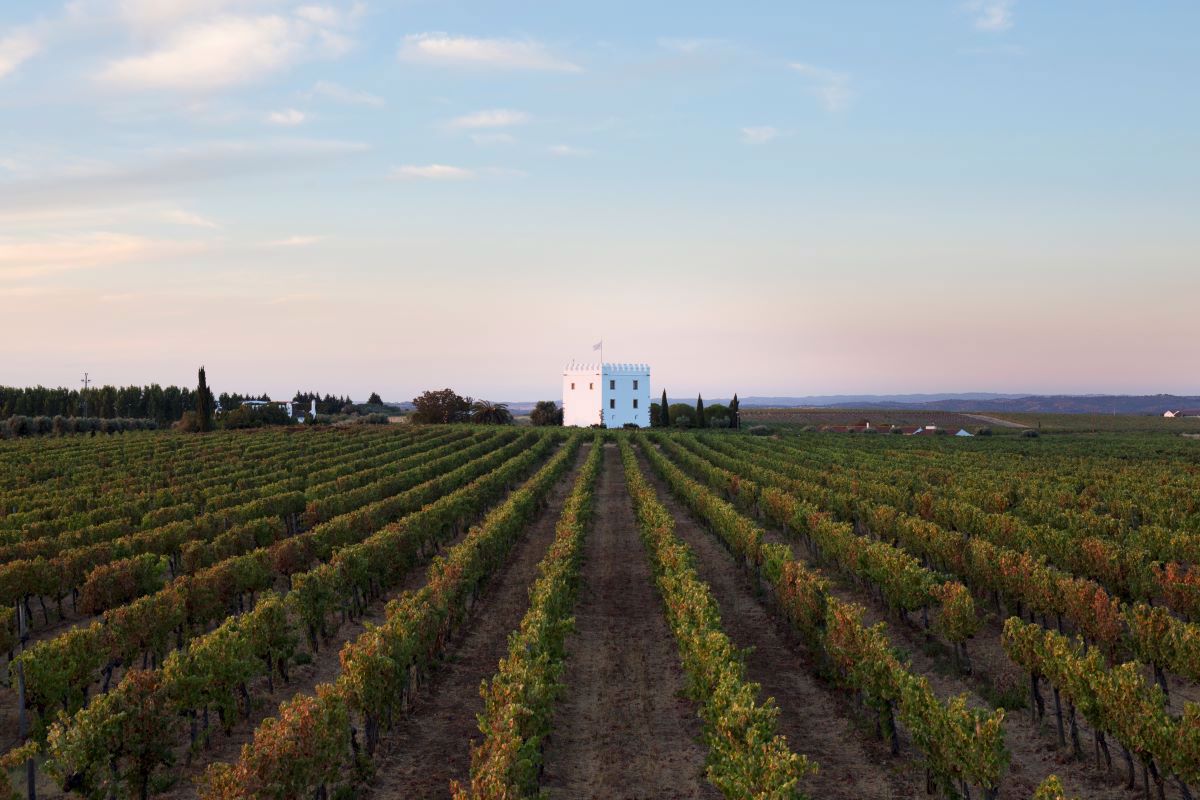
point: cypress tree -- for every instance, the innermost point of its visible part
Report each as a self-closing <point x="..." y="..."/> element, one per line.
<point x="664" y="416"/>
<point x="735" y="420"/>
<point x="700" y="422"/>
<point x="204" y="404"/>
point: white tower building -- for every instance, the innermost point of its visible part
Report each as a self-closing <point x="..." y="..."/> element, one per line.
<point x="615" y="394"/>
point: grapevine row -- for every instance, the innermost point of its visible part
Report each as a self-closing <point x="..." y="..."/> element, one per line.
<point x="960" y="745"/>
<point x="312" y="742"/>
<point x="519" y="699"/>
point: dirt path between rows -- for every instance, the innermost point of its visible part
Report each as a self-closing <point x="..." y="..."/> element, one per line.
<point x="623" y="728"/>
<point x="432" y="745"/>
<point x="813" y="716"/>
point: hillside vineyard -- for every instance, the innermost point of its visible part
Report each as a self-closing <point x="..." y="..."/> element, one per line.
<point x="511" y="612"/>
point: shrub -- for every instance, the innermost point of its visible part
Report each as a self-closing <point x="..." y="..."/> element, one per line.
<point x="188" y="423"/>
<point x="714" y="412"/>
<point x="677" y="410"/>
<point x="546" y="412"/>
<point x="758" y="430"/>
<point x="1030" y="433"/>
<point x="983" y="432"/>
<point x="249" y="417"/>
<point x="18" y="426"/>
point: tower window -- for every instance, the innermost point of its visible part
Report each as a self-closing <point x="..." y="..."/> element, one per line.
<point x="635" y="383"/>
<point x="635" y="402"/>
<point x="612" y="384"/>
<point x="572" y="387"/>
<point x="591" y="386"/>
<point x="612" y="402"/>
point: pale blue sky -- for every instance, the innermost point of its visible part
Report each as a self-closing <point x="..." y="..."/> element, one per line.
<point x="767" y="198"/>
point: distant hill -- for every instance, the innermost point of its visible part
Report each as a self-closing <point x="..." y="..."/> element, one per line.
<point x="1154" y="404"/>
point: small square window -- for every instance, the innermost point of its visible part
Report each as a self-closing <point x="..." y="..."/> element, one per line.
<point x="635" y="383"/>
<point x="612" y="384"/>
<point x="635" y="402"/>
<point x="612" y="402"/>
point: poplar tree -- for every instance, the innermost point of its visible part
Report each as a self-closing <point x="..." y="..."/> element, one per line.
<point x="700" y="422"/>
<point x="664" y="415"/>
<point x="204" y="404"/>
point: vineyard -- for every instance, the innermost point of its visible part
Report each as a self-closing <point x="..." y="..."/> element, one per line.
<point x="506" y="612"/>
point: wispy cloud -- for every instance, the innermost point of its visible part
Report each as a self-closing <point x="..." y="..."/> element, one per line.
<point x="30" y="258"/>
<point x="222" y="51"/>
<point x="341" y="94"/>
<point x="295" y="241"/>
<point x="330" y="16"/>
<point x="493" y="137"/>
<point x="565" y="150"/>
<point x="991" y="15"/>
<point x="181" y="217"/>
<point x="760" y="134"/>
<point x="149" y="17"/>
<point x="16" y="47"/>
<point x="432" y="172"/>
<point x="446" y="172"/>
<point x="288" y="117"/>
<point x="833" y="88"/>
<point x="691" y="45"/>
<point x="465" y="51"/>
<point x="491" y="118"/>
<point x="144" y="177"/>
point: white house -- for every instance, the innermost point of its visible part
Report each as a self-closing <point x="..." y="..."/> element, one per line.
<point x="613" y="394"/>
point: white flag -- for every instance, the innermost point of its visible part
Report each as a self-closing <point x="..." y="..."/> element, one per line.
<point x="598" y="345"/>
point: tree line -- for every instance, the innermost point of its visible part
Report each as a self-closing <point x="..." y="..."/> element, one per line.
<point x="684" y="415"/>
<point x="163" y="404"/>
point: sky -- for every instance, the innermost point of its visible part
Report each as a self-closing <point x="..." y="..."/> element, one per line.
<point x="770" y="198"/>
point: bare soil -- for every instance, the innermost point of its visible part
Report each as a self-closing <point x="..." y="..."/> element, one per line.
<point x="432" y="745"/>
<point x="623" y="728"/>
<point x="815" y="718"/>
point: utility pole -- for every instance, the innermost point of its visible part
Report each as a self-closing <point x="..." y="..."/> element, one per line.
<point x="85" y="388"/>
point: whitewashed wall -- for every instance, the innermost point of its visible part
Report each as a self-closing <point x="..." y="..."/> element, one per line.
<point x="626" y="395"/>
<point x="581" y="395"/>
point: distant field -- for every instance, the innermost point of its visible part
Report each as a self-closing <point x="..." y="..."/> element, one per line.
<point x="1118" y="423"/>
<point x="849" y="416"/>
<point x="1047" y="423"/>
